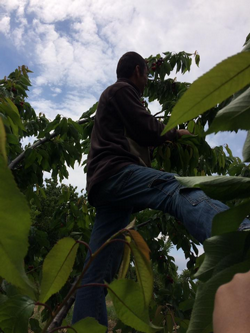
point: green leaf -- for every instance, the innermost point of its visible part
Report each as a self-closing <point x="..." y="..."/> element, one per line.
<point x="144" y="273"/>
<point x="14" y="230"/>
<point x="202" y="312"/>
<point x="215" y="86"/>
<point x="57" y="267"/>
<point x="230" y="219"/>
<point x="128" y="301"/>
<point x="2" y="141"/>
<point x="246" y="148"/>
<point x="234" y="116"/>
<point x="197" y="59"/>
<point x="126" y="260"/>
<point x="31" y="157"/>
<point x="13" y="106"/>
<point x="143" y="267"/>
<point x="218" y="247"/>
<point x="219" y="187"/>
<point x="15" y="314"/>
<point x="186" y="305"/>
<point x="88" y="113"/>
<point x="89" y="325"/>
<point x="14" y="113"/>
<point x="3" y="299"/>
<point x="13" y="139"/>
<point x="34" y="325"/>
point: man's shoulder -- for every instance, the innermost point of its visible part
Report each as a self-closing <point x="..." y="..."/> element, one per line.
<point x="118" y="85"/>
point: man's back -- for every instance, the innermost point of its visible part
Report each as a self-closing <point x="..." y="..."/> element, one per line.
<point x="122" y="132"/>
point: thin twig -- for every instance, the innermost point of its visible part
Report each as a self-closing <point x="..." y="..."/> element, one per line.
<point x="85" y="244"/>
<point x="45" y="305"/>
<point x="156" y="114"/>
<point x="144" y="223"/>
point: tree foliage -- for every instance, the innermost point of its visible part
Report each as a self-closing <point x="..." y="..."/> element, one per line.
<point x="45" y="227"/>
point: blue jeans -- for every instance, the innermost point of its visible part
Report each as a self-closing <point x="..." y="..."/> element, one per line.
<point x="135" y="188"/>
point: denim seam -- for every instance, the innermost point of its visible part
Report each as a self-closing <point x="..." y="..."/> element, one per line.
<point x="151" y="182"/>
<point x="214" y="206"/>
<point x="194" y="202"/>
<point x="161" y="188"/>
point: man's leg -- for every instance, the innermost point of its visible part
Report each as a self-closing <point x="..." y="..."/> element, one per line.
<point x="142" y="187"/>
<point x="137" y="188"/>
<point x="90" y="301"/>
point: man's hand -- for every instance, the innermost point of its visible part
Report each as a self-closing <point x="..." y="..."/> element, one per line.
<point x="183" y="132"/>
<point x="232" y="306"/>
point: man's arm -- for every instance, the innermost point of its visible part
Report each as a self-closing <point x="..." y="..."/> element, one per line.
<point x="140" y="125"/>
<point x="181" y="132"/>
<point x="232" y="306"/>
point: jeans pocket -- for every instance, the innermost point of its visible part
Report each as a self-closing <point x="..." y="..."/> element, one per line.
<point x="193" y="195"/>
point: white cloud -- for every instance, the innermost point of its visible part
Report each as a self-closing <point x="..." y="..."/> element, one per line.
<point x="5" y="25"/>
<point x="97" y="35"/>
<point x="74" y="46"/>
<point x="12" y="5"/>
<point x="72" y="105"/>
<point x="56" y="90"/>
<point x="36" y="92"/>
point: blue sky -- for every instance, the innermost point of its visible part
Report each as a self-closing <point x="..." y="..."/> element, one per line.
<point x="73" y="46"/>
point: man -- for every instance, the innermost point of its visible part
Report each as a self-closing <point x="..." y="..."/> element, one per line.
<point x="120" y="180"/>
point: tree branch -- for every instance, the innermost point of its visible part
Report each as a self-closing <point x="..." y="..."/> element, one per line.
<point x="38" y="143"/>
<point x="156" y="114"/>
<point x="57" y="321"/>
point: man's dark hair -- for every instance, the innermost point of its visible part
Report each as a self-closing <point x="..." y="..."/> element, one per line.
<point x="126" y="65"/>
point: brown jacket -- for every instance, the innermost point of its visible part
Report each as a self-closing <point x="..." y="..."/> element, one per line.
<point x="122" y="133"/>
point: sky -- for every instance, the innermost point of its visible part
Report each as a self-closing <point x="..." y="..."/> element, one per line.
<point x="73" y="46"/>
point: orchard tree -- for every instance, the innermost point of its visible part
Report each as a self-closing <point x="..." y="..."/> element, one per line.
<point x="57" y="221"/>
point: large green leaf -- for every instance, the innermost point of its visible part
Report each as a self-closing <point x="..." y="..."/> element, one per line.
<point x="3" y="299"/>
<point x="9" y="109"/>
<point x="15" y="314"/>
<point x="2" y="140"/>
<point x="234" y="116"/>
<point x="202" y="313"/>
<point x="144" y="274"/>
<point x="89" y="325"/>
<point x="57" y="267"/>
<point x="126" y="260"/>
<point x="219" y="187"/>
<point x="35" y="326"/>
<point x="218" y="247"/>
<point x="143" y="267"/>
<point x="230" y="220"/>
<point x="215" y="86"/>
<point x="14" y="231"/>
<point x="246" y="148"/>
<point x="128" y="300"/>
